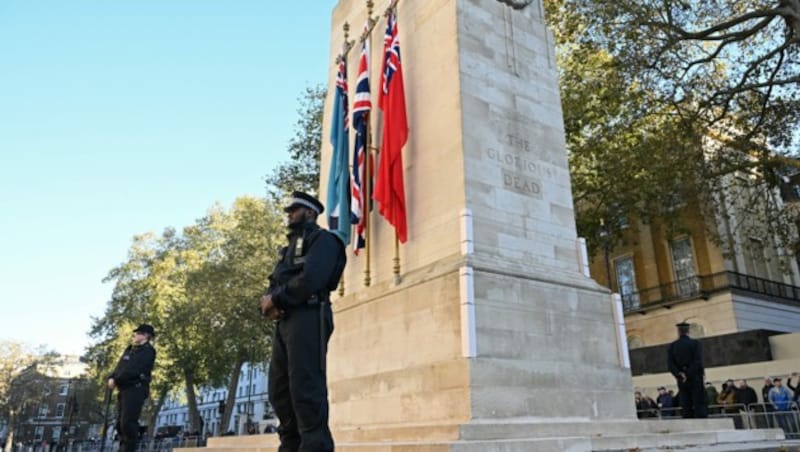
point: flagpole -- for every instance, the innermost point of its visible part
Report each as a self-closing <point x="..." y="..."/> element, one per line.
<point x="365" y="210"/>
<point x="389" y="9"/>
<point x="371" y="22"/>
<point x="396" y="259"/>
<point x="347" y="45"/>
<point x="345" y="49"/>
<point x="367" y="182"/>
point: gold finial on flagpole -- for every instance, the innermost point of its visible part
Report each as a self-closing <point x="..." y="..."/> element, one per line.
<point x="346" y="45"/>
<point x="371" y="22"/>
<point x="391" y="7"/>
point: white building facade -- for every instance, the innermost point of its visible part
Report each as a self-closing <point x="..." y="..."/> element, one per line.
<point x="251" y="404"/>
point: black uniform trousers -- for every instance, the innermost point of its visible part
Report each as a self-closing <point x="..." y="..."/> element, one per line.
<point x="130" y="402"/>
<point x="297" y="379"/>
<point x="693" y="397"/>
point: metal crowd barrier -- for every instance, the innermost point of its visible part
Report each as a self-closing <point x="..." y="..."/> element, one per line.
<point x="753" y="416"/>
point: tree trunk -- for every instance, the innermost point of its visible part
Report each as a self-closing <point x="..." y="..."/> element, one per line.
<point x="158" y="402"/>
<point x="230" y="401"/>
<point x="12" y="415"/>
<point x="191" y="399"/>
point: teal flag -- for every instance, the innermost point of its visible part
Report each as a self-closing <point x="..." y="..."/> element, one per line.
<point x="338" y="205"/>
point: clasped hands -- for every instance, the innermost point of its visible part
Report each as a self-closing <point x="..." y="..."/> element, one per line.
<point x="268" y="308"/>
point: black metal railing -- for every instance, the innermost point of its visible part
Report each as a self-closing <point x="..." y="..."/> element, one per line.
<point x="703" y="286"/>
<point x="752" y="416"/>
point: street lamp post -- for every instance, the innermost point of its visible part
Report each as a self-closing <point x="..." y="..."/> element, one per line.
<point x="250" y="411"/>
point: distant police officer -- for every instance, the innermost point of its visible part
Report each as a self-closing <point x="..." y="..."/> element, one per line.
<point x="131" y="378"/>
<point x="685" y="361"/>
<point x="299" y="298"/>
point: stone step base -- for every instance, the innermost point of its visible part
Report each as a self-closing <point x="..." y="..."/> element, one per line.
<point x="716" y="440"/>
<point x="761" y="446"/>
<point x="669" y="441"/>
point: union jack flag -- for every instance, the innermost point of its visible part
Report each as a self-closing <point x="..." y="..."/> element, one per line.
<point x="361" y="109"/>
<point x="391" y="48"/>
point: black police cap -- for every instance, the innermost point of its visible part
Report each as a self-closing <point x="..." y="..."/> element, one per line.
<point x="145" y="328"/>
<point x="300" y="199"/>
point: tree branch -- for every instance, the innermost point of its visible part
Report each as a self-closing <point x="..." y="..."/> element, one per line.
<point x="707" y="34"/>
<point x="754" y="86"/>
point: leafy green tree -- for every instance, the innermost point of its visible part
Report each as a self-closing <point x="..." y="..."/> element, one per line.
<point x="665" y="102"/>
<point x="85" y="406"/>
<point x="144" y="290"/>
<point x="23" y="374"/>
<point x="14" y="359"/>
<point x="232" y="280"/>
<point x="200" y="290"/>
<point x="726" y="65"/>
<point x="301" y="172"/>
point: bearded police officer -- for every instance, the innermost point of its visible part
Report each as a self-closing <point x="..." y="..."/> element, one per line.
<point x="131" y="378"/>
<point x="299" y="299"/>
<point x="685" y="362"/>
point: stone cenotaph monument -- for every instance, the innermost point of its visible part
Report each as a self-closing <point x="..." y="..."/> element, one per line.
<point x="491" y="337"/>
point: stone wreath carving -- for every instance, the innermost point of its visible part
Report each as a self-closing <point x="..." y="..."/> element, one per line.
<point x="516" y="4"/>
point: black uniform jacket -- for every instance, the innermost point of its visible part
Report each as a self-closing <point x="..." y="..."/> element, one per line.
<point x="685" y="355"/>
<point x="135" y="366"/>
<point x="311" y="265"/>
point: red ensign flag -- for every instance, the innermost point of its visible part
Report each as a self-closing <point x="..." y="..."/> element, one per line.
<point x="389" y="186"/>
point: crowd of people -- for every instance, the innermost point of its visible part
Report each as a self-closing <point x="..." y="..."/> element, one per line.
<point x="732" y="398"/>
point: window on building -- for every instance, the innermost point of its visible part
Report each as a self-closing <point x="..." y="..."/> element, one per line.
<point x="43" y="410"/>
<point x="63" y="389"/>
<point x="686" y="282"/>
<point x="626" y="282"/>
<point x="38" y="433"/>
<point x="60" y="410"/>
<point x="757" y="258"/>
<point x="56" y="434"/>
